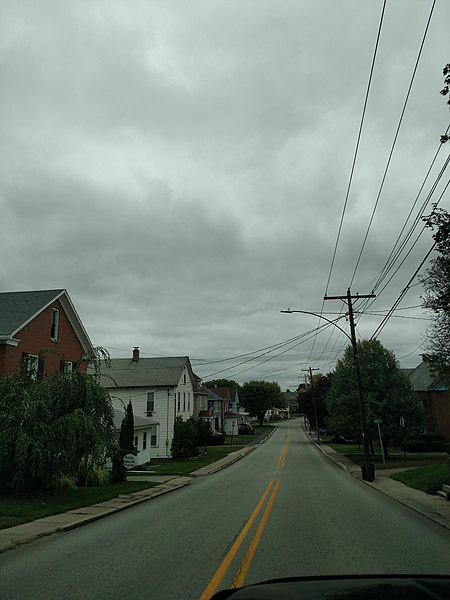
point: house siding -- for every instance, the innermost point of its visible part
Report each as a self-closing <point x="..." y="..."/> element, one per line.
<point x="35" y="337"/>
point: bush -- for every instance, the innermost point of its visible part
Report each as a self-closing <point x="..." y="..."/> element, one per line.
<point x="218" y="439"/>
<point x="204" y="432"/>
<point x="65" y="482"/>
<point x="432" y="437"/>
<point x="446" y="447"/>
<point x="184" y="443"/>
<point x="418" y="445"/>
<point x="436" y="446"/>
<point x="91" y="475"/>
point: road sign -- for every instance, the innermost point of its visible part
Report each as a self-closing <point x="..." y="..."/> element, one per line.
<point x="378" y="421"/>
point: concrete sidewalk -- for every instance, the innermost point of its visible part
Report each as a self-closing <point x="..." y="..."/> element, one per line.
<point x="22" y="534"/>
<point x="435" y="508"/>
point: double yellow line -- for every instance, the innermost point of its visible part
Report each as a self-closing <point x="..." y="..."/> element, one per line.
<point x="249" y="555"/>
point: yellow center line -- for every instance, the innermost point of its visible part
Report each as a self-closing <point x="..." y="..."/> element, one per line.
<point x="224" y="566"/>
<point x="248" y="558"/>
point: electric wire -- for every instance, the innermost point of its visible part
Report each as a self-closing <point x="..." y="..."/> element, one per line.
<point x="394" y="142"/>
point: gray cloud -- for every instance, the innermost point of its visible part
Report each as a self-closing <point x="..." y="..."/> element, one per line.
<point x="181" y="170"/>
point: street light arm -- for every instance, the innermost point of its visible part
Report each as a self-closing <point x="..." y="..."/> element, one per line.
<point x="308" y="312"/>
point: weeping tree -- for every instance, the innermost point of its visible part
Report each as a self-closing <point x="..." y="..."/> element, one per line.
<point x="60" y="426"/>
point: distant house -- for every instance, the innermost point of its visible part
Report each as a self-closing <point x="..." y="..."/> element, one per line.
<point x="160" y="389"/>
<point x="291" y="399"/>
<point x="40" y="332"/>
<point x="232" y="416"/>
<point x="435" y="397"/>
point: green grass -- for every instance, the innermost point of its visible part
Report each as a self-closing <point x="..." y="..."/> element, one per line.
<point x="170" y="466"/>
<point x="428" y="479"/>
<point x="395" y="461"/>
<point x="15" y="510"/>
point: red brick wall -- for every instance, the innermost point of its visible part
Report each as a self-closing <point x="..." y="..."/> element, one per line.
<point x="35" y="338"/>
<point x="440" y="406"/>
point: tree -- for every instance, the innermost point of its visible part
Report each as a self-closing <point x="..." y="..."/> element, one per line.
<point x="52" y="428"/>
<point x="184" y="443"/>
<point x="222" y="383"/>
<point x="388" y="394"/>
<point x="322" y="384"/>
<point x="258" y="397"/>
<point x="126" y="438"/>
<point x="436" y="282"/>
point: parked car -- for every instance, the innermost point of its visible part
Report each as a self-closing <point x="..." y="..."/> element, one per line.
<point x="246" y="429"/>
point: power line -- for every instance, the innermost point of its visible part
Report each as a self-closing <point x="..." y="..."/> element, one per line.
<point x="394" y="142"/>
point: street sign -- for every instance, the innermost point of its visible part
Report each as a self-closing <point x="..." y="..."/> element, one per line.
<point x="129" y="461"/>
<point x="378" y="421"/>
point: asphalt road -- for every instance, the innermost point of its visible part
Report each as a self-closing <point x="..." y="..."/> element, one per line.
<point x="282" y="511"/>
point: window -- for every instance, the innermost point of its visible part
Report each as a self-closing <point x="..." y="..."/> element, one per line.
<point x="178" y="405"/>
<point x="184" y="401"/>
<point x="154" y="436"/>
<point x="136" y="440"/>
<point x="144" y="440"/>
<point x="66" y="366"/>
<point x="55" y="324"/>
<point x="150" y="403"/>
<point x="33" y="366"/>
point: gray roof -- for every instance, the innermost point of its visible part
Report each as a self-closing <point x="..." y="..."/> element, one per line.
<point x="139" y="422"/>
<point x="422" y="380"/>
<point x="145" y="372"/>
<point x="17" y="308"/>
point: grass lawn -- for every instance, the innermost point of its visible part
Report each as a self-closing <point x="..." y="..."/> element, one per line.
<point x="428" y="479"/>
<point x="15" y="510"/>
<point x="169" y="466"/>
<point x="395" y="461"/>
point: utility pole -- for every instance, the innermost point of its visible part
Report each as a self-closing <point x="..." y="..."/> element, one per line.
<point x="367" y="475"/>
<point x="310" y="370"/>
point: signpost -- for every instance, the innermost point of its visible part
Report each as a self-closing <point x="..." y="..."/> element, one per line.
<point x="233" y="424"/>
<point x="378" y="421"/>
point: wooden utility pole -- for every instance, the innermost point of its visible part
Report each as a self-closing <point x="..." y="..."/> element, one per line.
<point x="367" y="472"/>
<point x="310" y="370"/>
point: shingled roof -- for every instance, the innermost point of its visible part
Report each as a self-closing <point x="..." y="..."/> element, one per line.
<point x="422" y="380"/>
<point x="17" y="309"/>
<point x="145" y="372"/>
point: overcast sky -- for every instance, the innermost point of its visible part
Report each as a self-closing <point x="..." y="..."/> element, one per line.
<point x="181" y="169"/>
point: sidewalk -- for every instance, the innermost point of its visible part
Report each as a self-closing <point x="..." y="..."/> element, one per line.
<point x="433" y="507"/>
<point x="23" y="534"/>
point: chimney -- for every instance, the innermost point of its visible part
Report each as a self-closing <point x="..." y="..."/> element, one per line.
<point x="135" y="353"/>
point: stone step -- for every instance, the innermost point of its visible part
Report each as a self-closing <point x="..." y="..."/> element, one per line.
<point x="442" y="494"/>
<point x="446" y="488"/>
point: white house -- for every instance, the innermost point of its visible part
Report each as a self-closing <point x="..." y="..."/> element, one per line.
<point x="160" y="389"/>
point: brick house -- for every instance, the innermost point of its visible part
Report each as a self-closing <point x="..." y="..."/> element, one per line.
<point x="41" y="332"/>
<point x="434" y="394"/>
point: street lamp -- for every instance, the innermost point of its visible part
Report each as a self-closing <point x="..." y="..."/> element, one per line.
<point x="367" y="473"/>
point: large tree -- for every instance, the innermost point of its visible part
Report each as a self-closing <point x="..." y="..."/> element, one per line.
<point x="222" y="383"/>
<point x="388" y="394"/>
<point x="436" y="282"/>
<point x="258" y="397"/>
<point x="50" y="428"/>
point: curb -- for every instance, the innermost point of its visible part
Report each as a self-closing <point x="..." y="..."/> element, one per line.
<point x="355" y="472"/>
<point x="52" y="524"/>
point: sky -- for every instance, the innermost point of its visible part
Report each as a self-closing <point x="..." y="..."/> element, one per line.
<point x="182" y="168"/>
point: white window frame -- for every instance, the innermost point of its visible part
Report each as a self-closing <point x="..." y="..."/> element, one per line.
<point x="150" y="412"/>
<point x="154" y="436"/>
